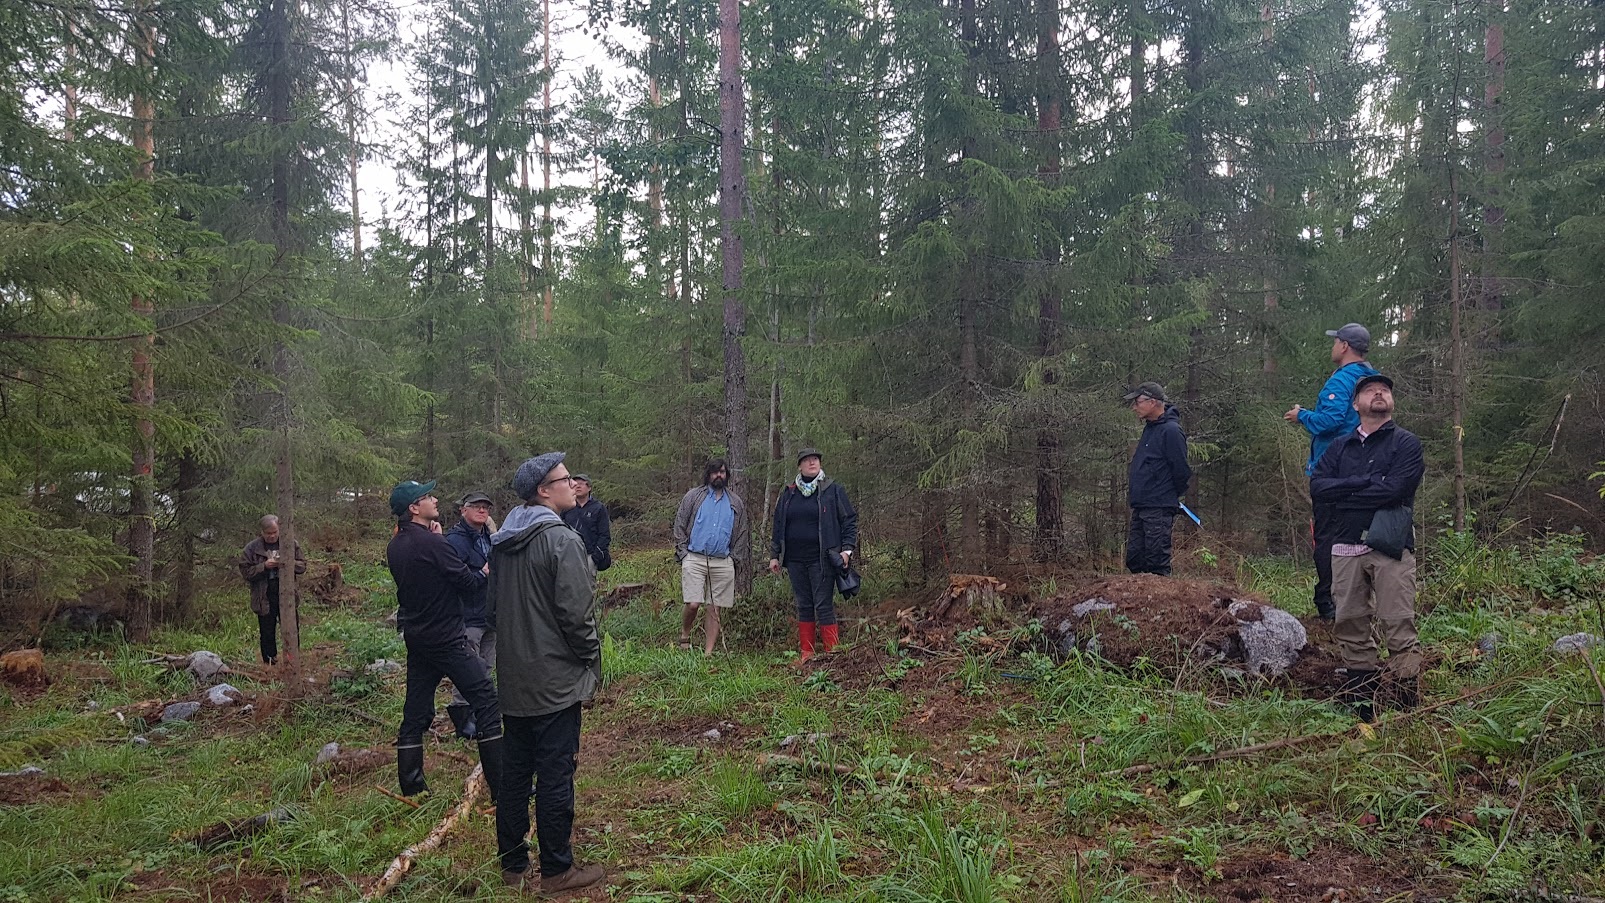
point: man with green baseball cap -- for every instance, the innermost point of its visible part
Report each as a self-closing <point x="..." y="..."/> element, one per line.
<point x="429" y="577"/>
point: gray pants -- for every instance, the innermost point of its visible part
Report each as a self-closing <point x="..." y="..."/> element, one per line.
<point x="482" y="643"/>
<point x="1376" y="595"/>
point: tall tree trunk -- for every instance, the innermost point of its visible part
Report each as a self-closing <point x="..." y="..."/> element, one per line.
<point x="186" y="495"/>
<point x="142" y="484"/>
<point x="1493" y="211"/>
<point x="1272" y="297"/>
<point x="546" y="164"/>
<point x="968" y="289"/>
<point x="1457" y="355"/>
<point x="353" y="150"/>
<point x="732" y="191"/>
<point x="278" y="99"/>
<point x="1050" y="493"/>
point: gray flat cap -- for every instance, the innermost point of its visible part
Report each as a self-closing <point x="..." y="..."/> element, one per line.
<point x="532" y="473"/>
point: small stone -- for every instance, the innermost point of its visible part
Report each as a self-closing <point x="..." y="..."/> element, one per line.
<point x="384" y="666"/>
<point x="327" y="753"/>
<point x="139" y="741"/>
<point x="247" y="709"/>
<point x="1575" y="642"/>
<point x="1067" y="626"/>
<point x="180" y="711"/>
<point x="1096" y="603"/>
<point x="92" y="706"/>
<point x="711" y="734"/>
<point x="223" y="694"/>
<point x="1489" y="643"/>
<point x="204" y="665"/>
<point x="26" y="771"/>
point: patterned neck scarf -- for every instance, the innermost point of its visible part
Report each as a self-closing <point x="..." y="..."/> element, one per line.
<point x="807" y="487"/>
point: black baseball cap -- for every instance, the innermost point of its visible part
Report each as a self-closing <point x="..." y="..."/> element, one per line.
<point x="1150" y="390"/>
<point x="1358" y="337"/>
<point x="1367" y="380"/>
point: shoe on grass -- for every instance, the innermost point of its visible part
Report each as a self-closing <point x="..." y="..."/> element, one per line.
<point x="576" y="878"/>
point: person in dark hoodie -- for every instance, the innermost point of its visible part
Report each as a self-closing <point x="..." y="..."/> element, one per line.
<point x="1157" y="480"/>
<point x="470" y="537"/>
<point x="1332" y="418"/>
<point x="815" y="533"/>
<point x="1377" y="468"/>
<point x="548" y="664"/>
<point x="429" y="575"/>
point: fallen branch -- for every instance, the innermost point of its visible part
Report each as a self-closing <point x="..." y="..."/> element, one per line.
<point x="403" y="863"/>
<point x="227" y="832"/>
<point x="1244" y="752"/>
<point x="1589" y="661"/>
<point x="396" y="796"/>
<point x="772" y="760"/>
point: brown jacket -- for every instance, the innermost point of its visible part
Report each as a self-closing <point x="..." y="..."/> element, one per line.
<point x="264" y="586"/>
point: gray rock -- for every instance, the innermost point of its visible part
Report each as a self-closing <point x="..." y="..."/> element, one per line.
<point x="1271" y="637"/>
<point x="92" y="706"/>
<point x="180" y="711"/>
<point x="1575" y="642"/>
<point x="139" y="741"/>
<point x="1489" y="643"/>
<point x="384" y="666"/>
<point x="223" y="694"/>
<point x="711" y="734"/>
<point x="204" y="665"/>
<point x="792" y="740"/>
<point x="1096" y="603"/>
<point x="327" y="753"/>
<point x="26" y="771"/>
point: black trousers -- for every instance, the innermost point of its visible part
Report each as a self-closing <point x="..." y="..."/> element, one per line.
<point x="545" y="749"/>
<point x="426" y="665"/>
<point x="268" y="626"/>
<point x="813" y="585"/>
<point x="1322" y="531"/>
<point x="1148" y="541"/>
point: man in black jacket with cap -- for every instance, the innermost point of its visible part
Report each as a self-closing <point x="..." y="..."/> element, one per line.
<point x="1376" y="468"/>
<point x="429" y="575"/>
<point x="1158" y="478"/>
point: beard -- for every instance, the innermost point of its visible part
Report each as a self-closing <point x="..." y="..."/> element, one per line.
<point x="718" y="482"/>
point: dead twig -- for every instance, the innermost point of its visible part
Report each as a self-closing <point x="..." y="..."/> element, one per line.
<point x="1588" y="661"/>
<point x="396" y="796"/>
<point x="403" y="862"/>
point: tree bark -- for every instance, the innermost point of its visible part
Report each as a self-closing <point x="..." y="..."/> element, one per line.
<point x="1493" y="211"/>
<point x="1050" y="493"/>
<point x="278" y="98"/>
<point x="353" y="150"/>
<point x="142" y="483"/>
<point x="732" y="191"/>
<point x="546" y="165"/>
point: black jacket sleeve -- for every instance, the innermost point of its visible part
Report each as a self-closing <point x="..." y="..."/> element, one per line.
<point x="1393" y="486"/>
<point x="847" y="519"/>
<point x="1181" y="473"/>
<point x="777" y="529"/>
<point x="456" y="571"/>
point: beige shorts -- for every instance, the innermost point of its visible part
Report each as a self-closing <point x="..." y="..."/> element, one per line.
<point x="704" y="580"/>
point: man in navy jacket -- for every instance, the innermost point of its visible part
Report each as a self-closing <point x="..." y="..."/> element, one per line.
<point x="1375" y="468"/>
<point x="1158" y="479"/>
<point x="470" y="538"/>
<point x="1332" y="417"/>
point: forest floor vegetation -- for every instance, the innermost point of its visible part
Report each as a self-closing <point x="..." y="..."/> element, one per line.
<point x="948" y="752"/>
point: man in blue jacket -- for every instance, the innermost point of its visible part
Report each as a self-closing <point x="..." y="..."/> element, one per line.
<point x="470" y="537"/>
<point x="1332" y="417"/>
<point x="1158" y="479"/>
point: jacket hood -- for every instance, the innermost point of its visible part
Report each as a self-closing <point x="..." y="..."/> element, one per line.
<point x="520" y="519"/>
<point x="1171" y="415"/>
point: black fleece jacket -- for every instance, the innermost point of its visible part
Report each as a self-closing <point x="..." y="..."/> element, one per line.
<point x="1360" y="476"/>
<point x="1159" y="473"/>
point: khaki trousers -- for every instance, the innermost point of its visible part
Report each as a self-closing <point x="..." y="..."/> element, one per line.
<point x="1376" y="595"/>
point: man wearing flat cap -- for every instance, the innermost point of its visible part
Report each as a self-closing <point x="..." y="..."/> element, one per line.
<point x="710" y="543"/>
<point x="548" y="663"/>
<point x="1156" y="480"/>
<point x="815" y="534"/>
<point x="589" y="518"/>
<point x="1332" y="417"/>
<point x="429" y="577"/>
<point x="470" y="538"/>
<point x="1370" y="477"/>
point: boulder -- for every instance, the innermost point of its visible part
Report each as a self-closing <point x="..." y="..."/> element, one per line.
<point x="1270" y="638"/>
<point x="223" y="694"/>
<point x="1574" y="642"/>
<point x="180" y="711"/>
<point x="204" y="665"/>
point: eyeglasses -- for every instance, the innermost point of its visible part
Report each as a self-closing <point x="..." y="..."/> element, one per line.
<point x="569" y="480"/>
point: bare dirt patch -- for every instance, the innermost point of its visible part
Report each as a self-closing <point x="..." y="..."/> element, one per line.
<point x="31" y="789"/>
<point x="1327" y="875"/>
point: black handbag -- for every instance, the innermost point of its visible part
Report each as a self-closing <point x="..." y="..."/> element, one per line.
<point x="1391" y="531"/>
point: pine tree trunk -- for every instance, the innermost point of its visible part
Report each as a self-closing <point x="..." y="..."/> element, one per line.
<point x="278" y="99"/>
<point x="186" y="495"/>
<point x="142" y="484"/>
<point x="353" y="151"/>
<point x="1050" y="494"/>
<point x="732" y="191"/>
<point x="1493" y="212"/>
<point x="1457" y="356"/>
<point x="546" y="165"/>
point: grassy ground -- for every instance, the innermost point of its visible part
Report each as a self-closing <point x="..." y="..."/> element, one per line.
<point x="972" y="776"/>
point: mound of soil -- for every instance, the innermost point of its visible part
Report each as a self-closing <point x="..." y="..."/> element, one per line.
<point x="1163" y="619"/>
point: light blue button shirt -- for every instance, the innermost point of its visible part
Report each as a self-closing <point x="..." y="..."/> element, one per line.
<point x="710" y="533"/>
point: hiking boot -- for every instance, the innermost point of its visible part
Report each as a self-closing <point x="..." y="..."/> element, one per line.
<point x="1359" y="692"/>
<point x="577" y="877"/>
<point x="525" y="882"/>
<point x="1326" y="609"/>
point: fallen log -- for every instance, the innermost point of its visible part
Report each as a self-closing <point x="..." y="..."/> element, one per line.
<point x="403" y="862"/>
<point x="227" y="832"/>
